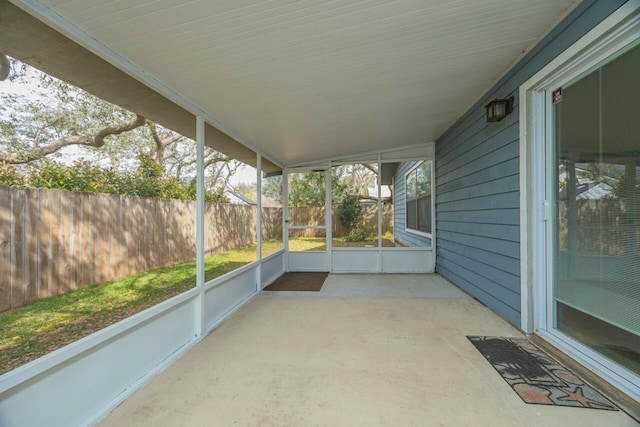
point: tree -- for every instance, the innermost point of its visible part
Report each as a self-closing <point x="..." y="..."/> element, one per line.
<point x="272" y="187"/>
<point x="350" y="215"/>
<point x="58" y="119"/>
<point x="146" y="181"/>
<point x="608" y="173"/>
<point x="177" y="155"/>
<point x="358" y="176"/>
<point x="56" y="115"/>
<point x="623" y="188"/>
<point x="308" y="189"/>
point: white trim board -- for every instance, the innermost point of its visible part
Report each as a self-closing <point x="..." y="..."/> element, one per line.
<point x="613" y="34"/>
<point x="401" y="154"/>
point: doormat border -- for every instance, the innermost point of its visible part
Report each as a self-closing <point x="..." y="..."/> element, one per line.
<point x="535" y="376"/>
<point x="299" y="282"/>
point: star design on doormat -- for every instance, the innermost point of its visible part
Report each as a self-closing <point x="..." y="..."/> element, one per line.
<point x="578" y="396"/>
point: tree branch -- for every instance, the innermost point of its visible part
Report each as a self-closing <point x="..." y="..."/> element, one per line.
<point x="5" y="67"/>
<point x="162" y="143"/>
<point x="213" y="160"/>
<point x="370" y="168"/>
<point x="88" y="141"/>
<point x="171" y="139"/>
<point x="383" y="198"/>
<point x="154" y="133"/>
<point x="98" y="140"/>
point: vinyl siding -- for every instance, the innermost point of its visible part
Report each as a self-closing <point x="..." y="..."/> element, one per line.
<point x="399" y="210"/>
<point x="477" y="179"/>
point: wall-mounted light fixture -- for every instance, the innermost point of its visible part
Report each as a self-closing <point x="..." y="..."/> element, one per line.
<point x="498" y="109"/>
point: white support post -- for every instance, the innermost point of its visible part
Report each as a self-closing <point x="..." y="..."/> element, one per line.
<point x="200" y="310"/>
<point x="328" y="223"/>
<point x="379" y="183"/>
<point x="285" y="219"/>
<point x="259" y="221"/>
<point x="434" y="219"/>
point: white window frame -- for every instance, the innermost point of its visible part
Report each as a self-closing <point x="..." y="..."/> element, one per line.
<point x="613" y="34"/>
<point x="432" y="207"/>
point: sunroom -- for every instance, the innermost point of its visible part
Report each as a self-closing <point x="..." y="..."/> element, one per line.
<point x="497" y="141"/>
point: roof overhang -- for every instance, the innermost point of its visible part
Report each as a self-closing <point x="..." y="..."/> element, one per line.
<point x="29" y="40"/>
<point x="294" y="81"/>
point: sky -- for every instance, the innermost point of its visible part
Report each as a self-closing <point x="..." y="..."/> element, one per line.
<point x="10" y="87"/>
<point x="244" y="175"/>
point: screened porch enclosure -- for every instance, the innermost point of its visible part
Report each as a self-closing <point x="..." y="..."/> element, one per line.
<point x="365" y="128"/>
<point x="356" y="228"/>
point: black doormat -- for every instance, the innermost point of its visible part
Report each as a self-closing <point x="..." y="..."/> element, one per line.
<point x="304" y="281"/>
<point x="536" y="377"/>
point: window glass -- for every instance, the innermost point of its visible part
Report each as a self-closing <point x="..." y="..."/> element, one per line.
<point x="271" y="215"/>
<point x="596" y="223"/>
<point x="411" y="185"/>
<point x="418" y="205"/>
<point x="424" y="214"/>
<point x="424" y="179"/>
<point x="412" y="215"/>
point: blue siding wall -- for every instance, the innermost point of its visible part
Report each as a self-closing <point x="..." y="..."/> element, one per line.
<point x="399" y="208"/>
<point x="477" y="180"/>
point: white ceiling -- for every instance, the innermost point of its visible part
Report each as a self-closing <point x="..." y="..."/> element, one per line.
<point x="316" y="79"/>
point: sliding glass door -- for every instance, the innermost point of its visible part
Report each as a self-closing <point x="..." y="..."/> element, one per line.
<point x="594" y="236"/>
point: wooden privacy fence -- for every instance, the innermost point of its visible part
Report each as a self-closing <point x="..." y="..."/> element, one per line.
<point x="53" y="241"/>
<point x="602" y="227"/>
<point x="314" y="215"/>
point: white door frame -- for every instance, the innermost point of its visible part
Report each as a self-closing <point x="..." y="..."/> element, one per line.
<point x="362" y="260"/>
<point x="619" y="30"/>
<point x="311" y="260"/>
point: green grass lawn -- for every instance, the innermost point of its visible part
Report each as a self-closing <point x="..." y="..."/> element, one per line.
<point x="49" y="323"/>
<point x="319" y="243"/>
<point x="308" y="244"/>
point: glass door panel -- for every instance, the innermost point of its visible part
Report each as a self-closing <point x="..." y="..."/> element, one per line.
<point x="306" y="222"/>
<point x="355" y="205"/>
<point x="596" y="210"/>
<point x="307" y="212"/>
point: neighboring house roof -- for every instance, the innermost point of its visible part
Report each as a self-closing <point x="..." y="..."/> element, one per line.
<point x="385" y="192"/>
<point x="238" y="198"/>
<point x="268" y="202"/>
<point x="590" y="191"/>
<point x="600" y="190"/>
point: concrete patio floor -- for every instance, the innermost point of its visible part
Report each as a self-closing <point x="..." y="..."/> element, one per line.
<point x="365" y="350"/>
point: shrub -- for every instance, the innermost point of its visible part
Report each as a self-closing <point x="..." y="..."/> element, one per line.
<point x="146" y="181"/>
<point x="148" y="168"/>
<point x="350" y="214"/>
<point x="10" y="175"/>
<point x="356" y="237"/>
